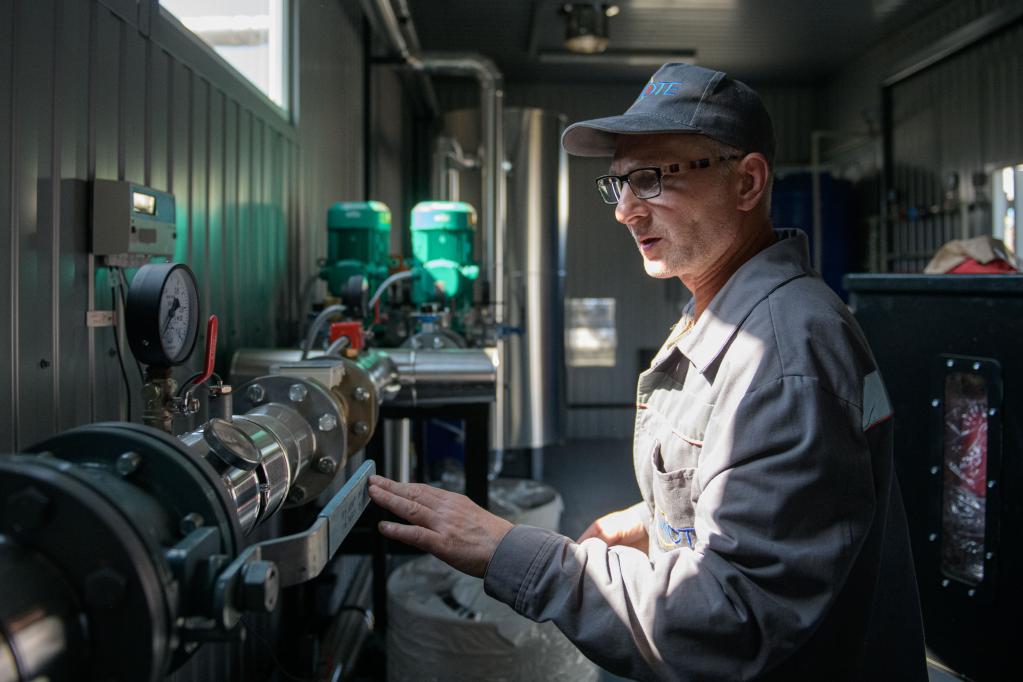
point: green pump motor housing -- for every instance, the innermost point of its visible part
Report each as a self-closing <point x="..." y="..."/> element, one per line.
<point x="358" y="240"/>
<point x="442" y="243"/>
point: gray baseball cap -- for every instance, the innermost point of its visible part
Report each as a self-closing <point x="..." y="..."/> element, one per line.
<point x="682" y="98"/>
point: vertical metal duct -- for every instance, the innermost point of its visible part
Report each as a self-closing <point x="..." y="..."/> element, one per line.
<point x="531" y="389"/>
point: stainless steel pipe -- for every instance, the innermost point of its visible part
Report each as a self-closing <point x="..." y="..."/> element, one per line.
<point x="443" y="377"/>
<point x="260" y="454"/>
<point x="405" y="376"/>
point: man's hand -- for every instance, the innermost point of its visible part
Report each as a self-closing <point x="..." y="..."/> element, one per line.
<point x="623" y="527"/>
<point x="448" y="525"/>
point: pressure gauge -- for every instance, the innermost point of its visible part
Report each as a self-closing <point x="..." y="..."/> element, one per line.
<point x="162" y="315"/>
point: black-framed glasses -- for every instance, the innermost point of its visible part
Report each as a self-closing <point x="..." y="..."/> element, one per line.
<point x="646" y="182"/>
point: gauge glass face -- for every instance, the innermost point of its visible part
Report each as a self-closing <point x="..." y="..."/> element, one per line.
<point x="175" y="314"/>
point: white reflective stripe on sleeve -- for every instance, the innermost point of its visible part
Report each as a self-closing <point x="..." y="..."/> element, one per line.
<point x="876" y="406"/>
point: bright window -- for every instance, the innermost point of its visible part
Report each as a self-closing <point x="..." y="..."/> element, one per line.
<point x="249" y="35"/>
<point x="590" y="336"/>
<point x="1006" y="205"/>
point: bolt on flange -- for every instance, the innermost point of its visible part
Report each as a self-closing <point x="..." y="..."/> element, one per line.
<point x="256" y="393"/>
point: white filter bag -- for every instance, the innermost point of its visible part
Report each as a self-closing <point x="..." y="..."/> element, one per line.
<point x="444" y="628"/>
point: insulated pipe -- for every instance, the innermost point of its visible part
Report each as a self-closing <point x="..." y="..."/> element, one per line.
<point x="396" y="277"/>
<point x="314" y="328"/>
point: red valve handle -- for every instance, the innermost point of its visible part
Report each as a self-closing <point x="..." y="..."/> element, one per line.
<point x="211" y="350"/>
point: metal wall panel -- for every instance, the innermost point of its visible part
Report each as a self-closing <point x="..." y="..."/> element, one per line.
<point x="71" y="99"/>
<point x="852" y="97"/>
<point x="86" y="93"/>
<point x="8" y="249"/>
<point x="31" y="186"/>
<point x="954" y="120"/>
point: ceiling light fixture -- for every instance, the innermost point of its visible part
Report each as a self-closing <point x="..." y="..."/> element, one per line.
<point x="586" y="26"/>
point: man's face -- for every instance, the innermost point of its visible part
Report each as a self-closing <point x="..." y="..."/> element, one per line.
<point x="692" y="224"/>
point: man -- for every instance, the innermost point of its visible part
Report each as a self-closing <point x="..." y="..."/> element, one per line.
<point x="771" y="541"/>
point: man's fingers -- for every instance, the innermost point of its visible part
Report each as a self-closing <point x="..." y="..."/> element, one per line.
<point x="416" y="536"/>
<point x="408" y="509"/>
<point x="419" y="492"/>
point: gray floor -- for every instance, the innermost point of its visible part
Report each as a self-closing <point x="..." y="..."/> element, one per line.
<point x="595" y="477"/>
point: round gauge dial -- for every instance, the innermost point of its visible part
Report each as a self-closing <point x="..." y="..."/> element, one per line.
<point x="162" y="315"/>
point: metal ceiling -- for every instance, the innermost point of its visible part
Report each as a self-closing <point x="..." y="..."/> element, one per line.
<point x="791" y="42"/>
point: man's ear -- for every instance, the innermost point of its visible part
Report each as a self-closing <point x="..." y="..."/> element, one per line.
<point x="754" y="174"/>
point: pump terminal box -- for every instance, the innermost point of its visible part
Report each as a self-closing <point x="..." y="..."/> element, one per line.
<point x="131" y="219"/>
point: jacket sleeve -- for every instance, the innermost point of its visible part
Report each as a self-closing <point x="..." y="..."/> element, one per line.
<point x="786" y="500"/>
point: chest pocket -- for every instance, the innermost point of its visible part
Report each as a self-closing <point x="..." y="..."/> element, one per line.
<point x="673" y="503"/>
<point x="674" y="459"/>
<point x="680" y="426"/>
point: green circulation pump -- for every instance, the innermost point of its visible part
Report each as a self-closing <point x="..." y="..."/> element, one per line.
<point x="358" y="240"/>
<point x="442" y="243"/>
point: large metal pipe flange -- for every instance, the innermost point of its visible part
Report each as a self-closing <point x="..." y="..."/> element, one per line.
<point x="321" y="409"/>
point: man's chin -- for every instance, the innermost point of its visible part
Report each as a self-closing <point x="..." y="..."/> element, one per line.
<point x="656" y="269"/>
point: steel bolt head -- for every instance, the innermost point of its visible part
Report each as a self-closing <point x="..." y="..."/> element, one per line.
<point x="325" y="465"/>
<point x="935" y="402"/>
<point x="260" y="586"/>
<point x="26" y="510"/>
<point x="128" y="463"/>
<point x="361" y="394"/>
<point x="104" y="588"/>
<point x="256" y="393"/>
<point x="945" y="582"/>
<point x="360" y="428"/>
<point x="327" y="422"/>
<point x="933" y="537"/>
<point x="934" y="471"/>
<point x="297" y="393"/>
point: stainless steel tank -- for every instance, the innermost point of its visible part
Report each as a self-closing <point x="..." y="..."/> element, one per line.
<point x="530" y="409"/>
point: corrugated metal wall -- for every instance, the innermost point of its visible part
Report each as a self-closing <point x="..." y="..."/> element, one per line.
<point x="602" y="261"/>
<point x="960" y="116"/>
<point x="953" y="124"/>
<point x="111" y="89"/>
<point x="852" y="97"/>
<point x="92" y="89"/>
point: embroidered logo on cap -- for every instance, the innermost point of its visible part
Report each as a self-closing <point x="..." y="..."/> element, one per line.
<point x="660" y="88"/>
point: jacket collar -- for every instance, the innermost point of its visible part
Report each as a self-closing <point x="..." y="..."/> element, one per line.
<point x="783" y="261"/>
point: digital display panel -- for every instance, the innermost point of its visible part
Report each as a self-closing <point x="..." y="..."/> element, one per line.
<point x="143" y="203"/>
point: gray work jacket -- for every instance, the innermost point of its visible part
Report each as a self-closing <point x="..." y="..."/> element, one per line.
<point x="778" y="542"/>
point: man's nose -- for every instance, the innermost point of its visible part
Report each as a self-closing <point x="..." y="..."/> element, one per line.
<point x="629" y="208"/>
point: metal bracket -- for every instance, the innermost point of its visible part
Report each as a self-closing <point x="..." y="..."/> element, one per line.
<point x="300" y="557"/>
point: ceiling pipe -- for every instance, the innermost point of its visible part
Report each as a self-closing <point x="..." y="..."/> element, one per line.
<point x="491" y="83"/>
